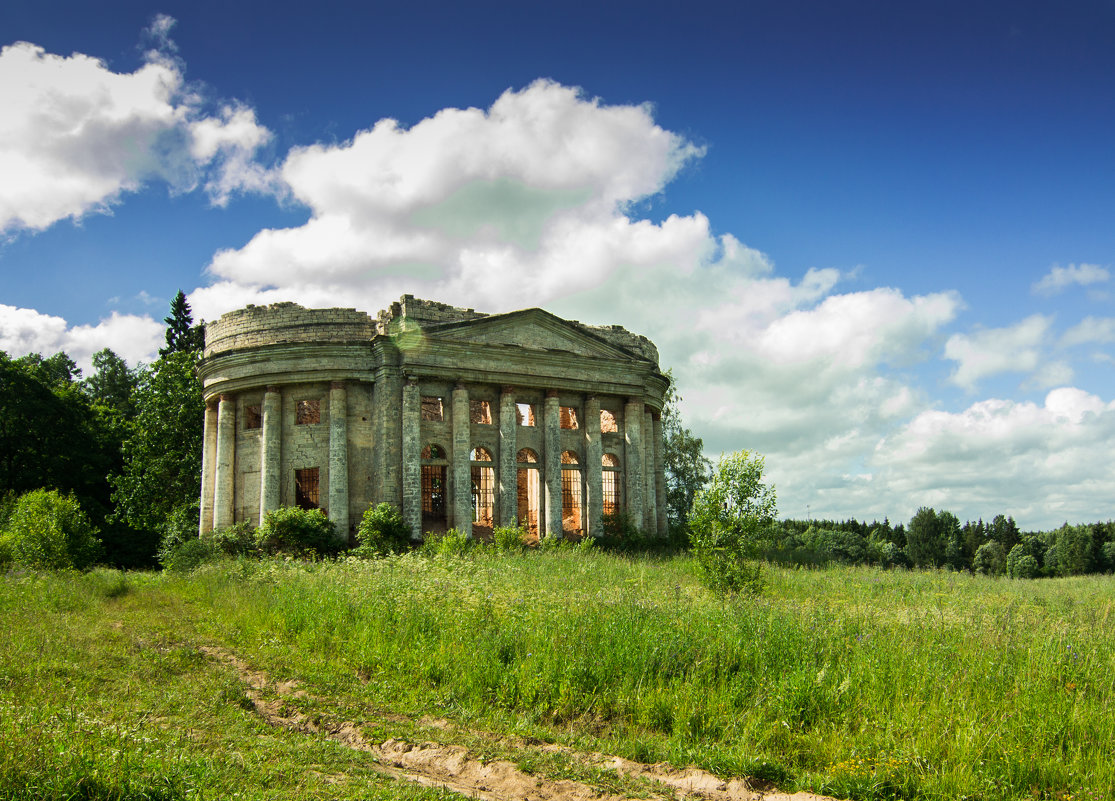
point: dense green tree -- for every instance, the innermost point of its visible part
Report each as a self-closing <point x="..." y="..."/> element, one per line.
<point x="49" y="436"/>
<point x="990" y="559"/>
<point x="181" y="333"/>
<point x="686" y="467"/>
<point x="162" y="455"/>
<point x="730" y="516"/>
<point x="113" y="385"/>
<point x="1003" y="530"/>
<point x="925" y="543"/>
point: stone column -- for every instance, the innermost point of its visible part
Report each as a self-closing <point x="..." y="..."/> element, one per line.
<point x="390" y="458"/>
<point x="462" y="464"/>
<point x="551" y="439"/>
<point x="224" y="482"/>
<point x="633" y="459"/>
<point x="594" y="455"/>
<point x="270" y="450"/>
<point x="650" y="499"/>
<point x="338" y="459"/>
<point x="660" y="478"/>
<point x="208" y="465"/>
<point x="412" y="458"/>
<point x="508" y="500"/>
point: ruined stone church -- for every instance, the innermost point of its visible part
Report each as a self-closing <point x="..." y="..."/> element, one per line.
<point x="461" y="419"/>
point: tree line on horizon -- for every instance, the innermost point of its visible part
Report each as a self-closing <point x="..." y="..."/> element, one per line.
<point x="936" y="539"/>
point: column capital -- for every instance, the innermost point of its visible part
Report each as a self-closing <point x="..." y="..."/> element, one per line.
<point x="634" y="399"/>
<point x="212" y="401"/>
<point x="273" y="388"/>
<point x="228" y="398"/>
<point x="336" y="384"/>
<point x="459" y="387"/>
<point x="551" y="393"/>
<point x="411" y="380"/>
<point x="507" y="389"/>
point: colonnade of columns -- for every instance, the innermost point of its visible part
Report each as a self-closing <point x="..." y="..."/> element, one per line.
<point x="644" y="485"/>
<point x="218" y="478"/>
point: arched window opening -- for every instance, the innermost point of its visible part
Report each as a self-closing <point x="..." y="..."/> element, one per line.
<point x="571" y="506"/>
<point x="608" y="423"/>
<point x="483" y="491"/>
<point x="434" y="488"/>
<point x="611" y="483"/>
<point x="433" y="452"/>
<point x="528" y="486"/>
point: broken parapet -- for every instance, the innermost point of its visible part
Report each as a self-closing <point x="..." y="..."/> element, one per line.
<point x="277" y="323"/>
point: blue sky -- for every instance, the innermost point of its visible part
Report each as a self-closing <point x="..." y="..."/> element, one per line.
<point x="873" y="241"/>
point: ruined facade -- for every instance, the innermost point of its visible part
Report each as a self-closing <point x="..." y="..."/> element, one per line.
<point x="461" y="419"/>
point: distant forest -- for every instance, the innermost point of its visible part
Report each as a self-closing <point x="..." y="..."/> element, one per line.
<point x="937" y="539"/>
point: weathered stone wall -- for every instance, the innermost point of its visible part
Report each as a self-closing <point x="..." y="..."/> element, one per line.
<point x="254" y="326"/>
<point x="262" y="360"/>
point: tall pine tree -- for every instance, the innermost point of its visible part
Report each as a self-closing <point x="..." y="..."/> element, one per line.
<point x="181" y="334"/>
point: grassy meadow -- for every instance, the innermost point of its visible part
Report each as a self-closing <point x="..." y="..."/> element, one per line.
<point x="854" y="682"/>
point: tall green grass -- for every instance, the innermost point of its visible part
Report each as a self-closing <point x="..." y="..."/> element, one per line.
<point x="855" y="682"/>
<point x="851" y="681"/>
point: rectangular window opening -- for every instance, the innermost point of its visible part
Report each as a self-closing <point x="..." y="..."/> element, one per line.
<point x="571" y="501"/>
<point x="306" y="488"/>
<point x="253" y="417"/>
<point x="483" y="497"/>
<point x="525" y="413"/>
<point x="611" y="493"/>
<point x="432" y="410"/>
<point x="433" y="492"/>
<point x="480" y="411"/>
<point x="307" y="412"/>
<point x="568" y="417"/>
<point x="529" y="499"/>
<point x="608" y="423"/>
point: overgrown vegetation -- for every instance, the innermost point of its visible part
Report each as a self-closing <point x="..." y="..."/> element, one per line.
<point x="856" y="682"/>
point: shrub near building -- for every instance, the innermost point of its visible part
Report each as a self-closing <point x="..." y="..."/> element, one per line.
<point x="49" y="531"/>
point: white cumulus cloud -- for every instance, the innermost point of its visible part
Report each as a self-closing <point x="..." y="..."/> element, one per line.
<point x="133" y="337"/>
<point x="1016" y="348"/>
<point x="75" y="135"/>
<point x="1060" y="278"/>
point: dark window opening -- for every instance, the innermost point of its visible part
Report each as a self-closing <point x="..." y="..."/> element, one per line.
<point x="432" y="410"/>
<point x="433" y="493"/>
<point x="307" y="412"/>
<point x="480" y="411"/>
<point x="306" y="488"/>
<point x="253" y="417"/>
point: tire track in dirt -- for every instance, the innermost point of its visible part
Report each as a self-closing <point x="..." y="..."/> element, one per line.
<point x="455" y="768"/>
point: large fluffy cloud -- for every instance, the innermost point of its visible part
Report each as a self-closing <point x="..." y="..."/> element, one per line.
<point x="1044" y="463"/>
<point x="75" y="135"/>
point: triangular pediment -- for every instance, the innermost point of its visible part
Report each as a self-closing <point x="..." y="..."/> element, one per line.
<point x="532" y="329"/>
